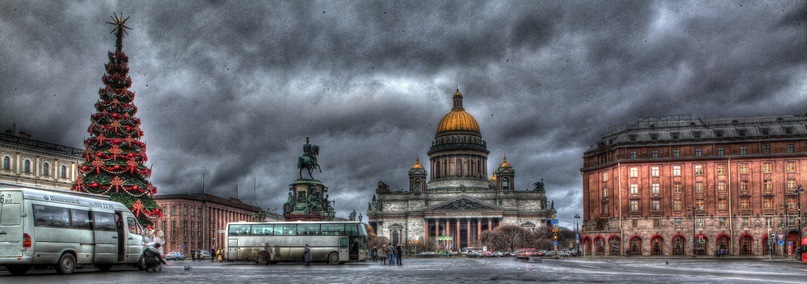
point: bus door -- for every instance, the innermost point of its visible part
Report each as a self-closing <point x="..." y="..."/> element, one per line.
<point x="232" y="248"/>
<point x="10" y="223"/>
<point x="344" y="249"/>
<point x="134" y="239"/>
<point x="121" y="237"/>
<point x="106" y="237"/>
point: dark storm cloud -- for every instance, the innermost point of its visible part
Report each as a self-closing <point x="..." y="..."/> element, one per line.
<point x="231" y="89"/>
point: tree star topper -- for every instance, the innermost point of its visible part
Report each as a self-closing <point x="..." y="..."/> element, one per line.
<point x="120" y="28"/>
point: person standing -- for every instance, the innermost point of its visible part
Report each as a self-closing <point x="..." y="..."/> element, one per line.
<point x="307" y="255"/>
<point x="193" y="255"/>
<point x="213" y="254"/>
<point x="382" y="253"/>
<point x="391" y="254"/>
<point x="399" y="254"/>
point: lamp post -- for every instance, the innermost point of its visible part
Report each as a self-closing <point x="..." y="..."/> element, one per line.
<point x="576" y="235"/>
<point x="693" y="230"/>
<point x="799" y="190"/>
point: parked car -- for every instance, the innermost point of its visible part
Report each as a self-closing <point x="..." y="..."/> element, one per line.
<point x="205" y="255"/>
<point x="487" y="254"/>
<point x="473" y="254"/>
<point x="174" y="255"/>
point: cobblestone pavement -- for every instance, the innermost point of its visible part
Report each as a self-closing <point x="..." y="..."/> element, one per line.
<point x="441" y="270"/>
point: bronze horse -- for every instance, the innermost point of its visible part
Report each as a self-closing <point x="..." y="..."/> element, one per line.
<point x="309" y="161"/>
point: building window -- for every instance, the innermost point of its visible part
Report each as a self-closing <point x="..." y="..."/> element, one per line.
<point x="633" y="155"/>
<point x="700" y="222"/>
<point x="605" y="176"/>
<point x="654" y="188"/>
<point x="698" y="170"/>
<point x="788" y="129"/>
<point x="677" y="222"/>
<point x="791" y="167"/>
<point x="173" y="210"/>
<point x="191" y="211"/>
<point x="46" y="169"/>
<point x="6" y="163"/>
<point x="720" y="151"/>
<point x="744" y="185"/>
<point x="698" y="152"/>
<point x="743" y="150"/>
<point x="674" y="135"/>
<point x="766" y="149"/>
<point x="604" y="192"/>
<point x="26" y="166"/>
<point x="721" y="204"/>
<point x="676" y="153"/>
<point x="790" y="148"/>
<point x="791" y="203"/>
<point x="744" y="204"/>
<point x="677" y="187"/>
<point x="791" y="184"/>
<point x="676" y="171"/>
<point x="721" y="169"/>
<point x="721" y="221"/>
<point x="635" y="222"/>
<point x="767" y="185"/>
<point x="656" y="223"/>
<point x="184" y="211"/>
<point x="63" y="172"/>
<point x="634" y="205"/>
<point x="634" y="188"/>
<point x="745" y="221"/>
<point x="721" y="186"/>
<point x="699" y="204"/>
<point x="766" y="168"/>
<point x="767" y="203"/>
<point x="656" y="205"/>
<point x="719" y="133"/>
<point x="634" y="172"/>
<point x="677" y="205"/>
<point x="699" y="187"/>
<point x="654" y="154"/>
<point x="605" y="210"/>
<point x="741" y="132"/>
<point x="654" y="171"/>
<point x="743" y="168"/>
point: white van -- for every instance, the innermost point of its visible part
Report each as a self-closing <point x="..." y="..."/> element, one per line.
<point x="64" y="229"/>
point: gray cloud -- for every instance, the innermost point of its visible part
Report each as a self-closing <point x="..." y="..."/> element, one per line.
<point x="231" y="89"/>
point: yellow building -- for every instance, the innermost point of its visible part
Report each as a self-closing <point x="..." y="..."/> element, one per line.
<point x="32" y="162"/>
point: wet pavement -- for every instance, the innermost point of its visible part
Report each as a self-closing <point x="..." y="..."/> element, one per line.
<point x="453" y="270"/>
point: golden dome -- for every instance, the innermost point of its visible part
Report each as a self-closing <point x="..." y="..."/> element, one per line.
<point x="417" y="164"/>
<point x="493" y="177"/>
<point x="505" y="164"/>
<point x="457" y="119"/>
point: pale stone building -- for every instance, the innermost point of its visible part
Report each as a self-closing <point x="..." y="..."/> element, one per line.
<point x="31" y="162"/>
<point x="456" y="201"/>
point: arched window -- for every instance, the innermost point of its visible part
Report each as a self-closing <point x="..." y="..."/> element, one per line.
<point x="63" y="172"/>
<point x="600" y="246"/>
<point x="26" y="166"/>
<point x="437" y="169"/>
<point x="614" y="244"/>
<point x="723" y="246"/>
<point x="678" y="245"/>
<point x="45" y="169"/>
<point x="658" y="246"/>
<point x="746" y="245"/>
<point x="636" y="246"/>
<point x="505" y="184"/>
<point x="6" y="163"/>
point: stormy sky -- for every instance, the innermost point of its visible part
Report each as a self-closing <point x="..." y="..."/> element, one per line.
<point x="230" y="90"/>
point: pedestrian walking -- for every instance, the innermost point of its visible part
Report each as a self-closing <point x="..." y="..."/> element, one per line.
<point x="307" y="255"/>
<point x="391" y="254"/>
<point x="382" y="253"/>
<point x="399" y="254"/>
<point x="193" y="255"/>
<point x="374" y="254"/>
<point x="213" y="254"/>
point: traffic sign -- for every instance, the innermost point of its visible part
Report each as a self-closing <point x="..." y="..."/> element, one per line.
<point x="790" y="243"/>
<point x="781" y="242"/>
<point x="553" y="221"/>
<point x="554" y="243"/>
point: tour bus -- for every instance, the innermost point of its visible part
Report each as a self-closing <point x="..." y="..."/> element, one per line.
<point x="333" y="242"/>
<point x="63" y="229"/>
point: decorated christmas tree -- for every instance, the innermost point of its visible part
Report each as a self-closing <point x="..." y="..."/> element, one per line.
<point x="114" y="156"/>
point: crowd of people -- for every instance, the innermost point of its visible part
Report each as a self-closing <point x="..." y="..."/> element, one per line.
<point x="388" y="254"/>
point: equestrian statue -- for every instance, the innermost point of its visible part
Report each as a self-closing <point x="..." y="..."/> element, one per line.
<point x="309" y="159"/>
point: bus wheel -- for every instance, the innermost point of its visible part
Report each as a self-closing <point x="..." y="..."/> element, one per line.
<point x="17" y="270"/>
<point x="104" y="267"/>
<point x="333" y="258"/>
<point x="67" y="264"/>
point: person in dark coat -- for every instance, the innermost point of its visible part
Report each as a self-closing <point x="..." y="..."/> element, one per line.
<point x="152" y="258"/>
<point x="307" y="255"/>
<point x="399" y="253"/>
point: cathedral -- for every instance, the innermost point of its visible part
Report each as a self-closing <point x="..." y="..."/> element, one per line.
<point x="455" y="202"/>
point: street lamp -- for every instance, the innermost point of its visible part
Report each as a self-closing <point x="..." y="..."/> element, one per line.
<point x="693" y="229"/>
<point x="799" y="190"/>
<point x="576" y="235"/>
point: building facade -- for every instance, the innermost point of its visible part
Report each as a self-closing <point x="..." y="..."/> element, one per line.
<point x="454" y="200"/>
<point x="676" y="185"/>
<point x="32" y="162"/>
<point x="198" y="221"/>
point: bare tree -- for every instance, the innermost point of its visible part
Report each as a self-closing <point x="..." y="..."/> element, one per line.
<point x="510" y="237"/>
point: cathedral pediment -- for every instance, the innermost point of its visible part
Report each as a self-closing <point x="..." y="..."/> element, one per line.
<point x="462" y="203"/>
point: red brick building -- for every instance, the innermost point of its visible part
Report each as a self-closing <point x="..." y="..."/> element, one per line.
<point x="677" y="186"/>
<point x="197" y="221"/>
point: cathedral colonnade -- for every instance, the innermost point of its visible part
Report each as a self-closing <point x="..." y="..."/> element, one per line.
<point x="464" y="231"/>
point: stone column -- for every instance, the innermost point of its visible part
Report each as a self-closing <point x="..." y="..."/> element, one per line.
<point x="468" y="232"/>
<point x="490" y="224"/>
<point x="457" y="239"/>
<point x="436" y="228"/>
<point x="479" y="230"/>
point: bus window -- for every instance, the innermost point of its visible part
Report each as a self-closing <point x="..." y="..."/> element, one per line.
<point x="261" y="230"/>
<point x="308" y="229"/>
<point x="103" y="221"/>
<point x="239" y="230"/>
<point x="332" y="229"/>
<point x="80" y="219"/>
<point x="352" y="230"/>
<point x="132" y="223"/>
<point x="48" y="216"/>
<point x="285" y="230"/>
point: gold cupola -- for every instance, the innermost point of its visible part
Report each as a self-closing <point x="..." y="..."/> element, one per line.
<point x="457" y="119"/>
<point x="505" y="164"/>
<point x="417" y="164"/>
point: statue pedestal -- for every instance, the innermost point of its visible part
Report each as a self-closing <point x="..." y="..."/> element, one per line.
<point x="308" y="202"/>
